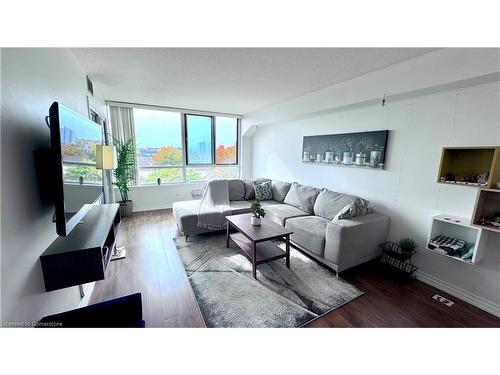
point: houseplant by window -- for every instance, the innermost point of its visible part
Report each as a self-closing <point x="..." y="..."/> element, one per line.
<point x="257" y="212"/>
<point x="125" y="173"/>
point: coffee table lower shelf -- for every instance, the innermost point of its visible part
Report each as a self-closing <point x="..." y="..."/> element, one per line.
<point x="266" y="251"/>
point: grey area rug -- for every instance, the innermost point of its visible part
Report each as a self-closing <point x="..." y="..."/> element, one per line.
<point x="229" y="296"/>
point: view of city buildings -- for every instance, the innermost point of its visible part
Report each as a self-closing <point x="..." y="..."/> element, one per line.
<point x="159" y="149"/>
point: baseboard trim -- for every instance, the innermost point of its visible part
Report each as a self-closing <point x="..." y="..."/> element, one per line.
<point x="459" y="293"/>
<point x="87" y="290"/>
<point x="153" y="208"/>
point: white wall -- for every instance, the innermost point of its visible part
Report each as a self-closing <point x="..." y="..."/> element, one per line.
<point x="31" y="79"/>
<point x="156" y="197"/>
<point x="407" y="190"/>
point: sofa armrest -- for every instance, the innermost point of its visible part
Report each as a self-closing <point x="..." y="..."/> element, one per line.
<point x="350" y="242"/>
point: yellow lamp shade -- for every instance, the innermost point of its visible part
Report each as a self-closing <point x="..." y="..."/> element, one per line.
<point x="105" y="157"/>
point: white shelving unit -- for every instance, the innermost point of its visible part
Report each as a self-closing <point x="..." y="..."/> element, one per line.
<point x="459" y="227"/>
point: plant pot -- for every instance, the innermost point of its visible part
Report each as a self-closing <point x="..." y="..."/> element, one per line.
<point x="255" y="220"/>
<point x="126" y="208"/>
<point x="328" y="157"/>
<point x="360" y="159"/>
<point x="374" y="158"/>
<point x="347" y="158"/>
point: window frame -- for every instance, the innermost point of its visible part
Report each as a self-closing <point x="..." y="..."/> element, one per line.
<point x="212" y="139"/>
<point x="184" y="137"/>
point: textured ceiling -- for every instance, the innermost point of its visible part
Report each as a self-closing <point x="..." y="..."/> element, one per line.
<point x="231" y="80"/>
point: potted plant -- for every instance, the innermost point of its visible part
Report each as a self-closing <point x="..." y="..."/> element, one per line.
<point x="338" y="157"/>
<point x="257" y="212"/>
<point x="374" y="156"/>
<point x="408" y="246"/>
<point x="125" y="172"/>
<point x="361" y="155"/>
<point x="347" y="152"/>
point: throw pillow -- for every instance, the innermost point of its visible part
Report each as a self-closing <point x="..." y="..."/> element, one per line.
<point x="263" y="190"/>
<point x="353" y="209"/>
<point x="330" y="203"/>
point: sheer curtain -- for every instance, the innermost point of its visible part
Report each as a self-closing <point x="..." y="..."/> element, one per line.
<point x="122" y="125"/>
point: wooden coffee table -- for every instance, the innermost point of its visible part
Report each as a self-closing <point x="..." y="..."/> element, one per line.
<point x="255" y="241"/>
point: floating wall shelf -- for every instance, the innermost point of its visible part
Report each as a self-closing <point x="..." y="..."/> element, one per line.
<point x="459" y="164"/>
<point x="459" y="227"/>
<point x="487" y="209"/>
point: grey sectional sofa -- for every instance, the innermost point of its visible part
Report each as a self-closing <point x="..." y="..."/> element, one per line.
<point x="311" y="214"/>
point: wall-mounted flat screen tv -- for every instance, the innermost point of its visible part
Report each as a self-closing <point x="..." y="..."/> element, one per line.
<point x="78" y="184"/>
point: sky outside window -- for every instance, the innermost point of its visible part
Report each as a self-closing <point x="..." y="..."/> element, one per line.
<point x="199" y="131"/>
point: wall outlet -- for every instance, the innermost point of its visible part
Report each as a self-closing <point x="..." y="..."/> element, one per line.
<point x="441" y="299"/>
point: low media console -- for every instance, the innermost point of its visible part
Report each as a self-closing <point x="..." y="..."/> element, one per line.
<point x="83" y="255"/>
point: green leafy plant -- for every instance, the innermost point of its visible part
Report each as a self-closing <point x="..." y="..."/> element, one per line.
<point x="256" y="208"/>
<point x="362" y="147"/>
<point x="126" y="170"/>
<point x="407" y="245"/>
<point x="348" y="145"/>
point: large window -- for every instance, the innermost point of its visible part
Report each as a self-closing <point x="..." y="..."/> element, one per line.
<point x="226" y="140"/>
<point x="183" y="147"/>
<point x="159" y="146"/>
<point x="199" y="139"/>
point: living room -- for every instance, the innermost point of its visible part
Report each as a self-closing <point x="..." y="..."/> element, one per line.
<point x="296" y="185"/>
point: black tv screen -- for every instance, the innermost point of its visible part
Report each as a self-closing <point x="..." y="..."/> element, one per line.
<point x="78" y="184"/>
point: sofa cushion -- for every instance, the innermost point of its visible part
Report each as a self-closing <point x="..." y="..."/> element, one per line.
<point x="239" y="207"/>
<point x="236" y="190"/>
<point x="186" y="217"/>
<point x="329" y="203"/>
<point x="243" y="207"/>
<point x="280" y="190"/>
<point x="280" y="213"/>
<point x="309" y="232"/>
<point x="269" y="203"/>
<point x="263" y="190"/>
<point x="302" y="197"/>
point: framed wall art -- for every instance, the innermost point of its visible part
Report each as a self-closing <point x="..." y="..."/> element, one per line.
<point x="363" y="149"/>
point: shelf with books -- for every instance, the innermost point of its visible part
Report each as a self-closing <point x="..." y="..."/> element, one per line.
<point x="458" y="228"/>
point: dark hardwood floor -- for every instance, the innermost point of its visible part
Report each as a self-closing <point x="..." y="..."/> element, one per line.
<point x="153" y="268"/>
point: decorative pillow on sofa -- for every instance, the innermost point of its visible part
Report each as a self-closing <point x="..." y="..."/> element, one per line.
<point x="263" y="190"/>
<point x="330" y="203"/>
<point x="249" y="189"/>
<point x="280" y="190"/>
<point x="351" y="210"/>
<point x="302" y="197"/>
